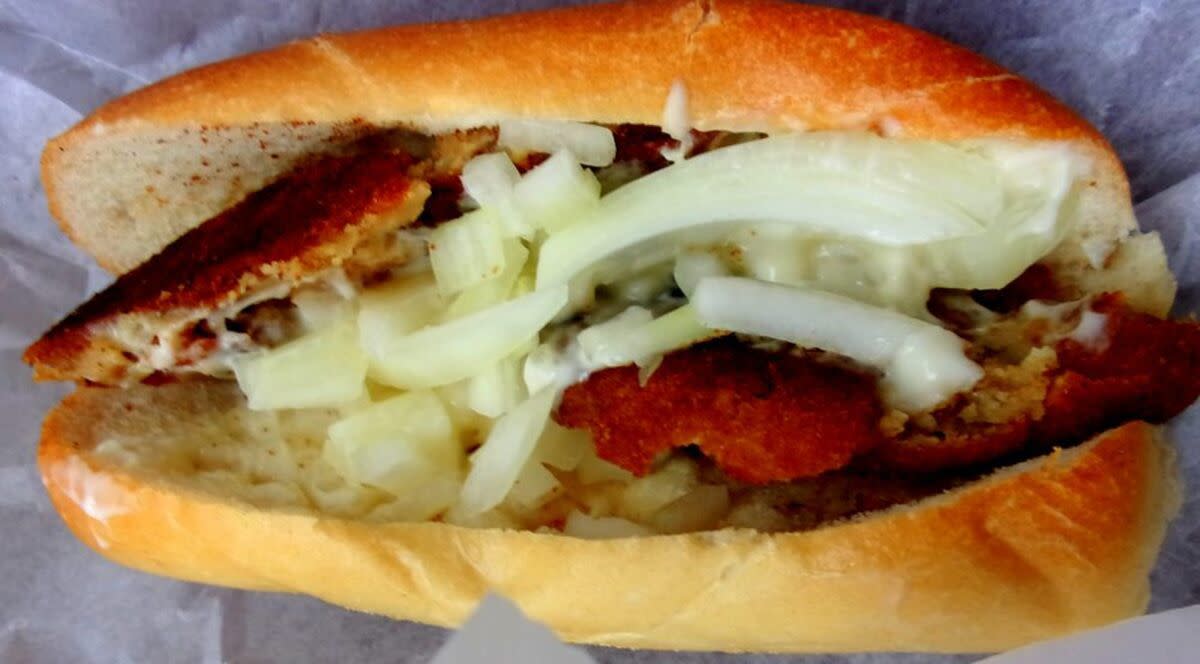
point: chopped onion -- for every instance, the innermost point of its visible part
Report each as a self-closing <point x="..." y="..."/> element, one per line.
<point x="692" y="266"/>
<point x="633" y="338"/>
<point x="399" y="307"/>
<point x="856" y="185"/>
<point x="701" y="508"/>
<point x="495" y="519"/>
<point x="647" y="495"/>
<point x="404" y="445"/>
<point x="496" y="465"/>
<point x="534" y="487"/>
<point x="601" y="343"/>
<point x="458" y="349"/>
<point x="677" y="122"/>
<point x="498" y="388"/>
<point x="558" y="447"/>
<point x="494" y="290"/>
<point x="466" y="251"/>
<point x="594" y="144"/>
<point x="557" y="193"/>
<point x="320" y="307"/>
<point x="434" y="497"/>
<point x="489" y="180"/>
<point x="583" y="526"/>
<point x="594" y="470"/>
<point x="324" y="368"/>
<point x="554" y="363"/>
<point x="646" y="285"/>
<point x="563" y="448"/>
<point x="923" y="363"/>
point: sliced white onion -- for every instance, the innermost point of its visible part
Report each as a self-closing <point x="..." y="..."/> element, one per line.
<point x="323" y="368"/>
<point x="458" y="349"/>
<point x="600" y="343"/>
<point x="498" y="388"/>
<point x="692" y="266"/>
<point x="923" y="363"/>
<point x="928" y="367"/>
<point x="554" y="364"/>
<point x="466" y="251"/>
<point x="556" y="193"/>
<point x="594" y="145"/>
<point x="1028" y="228"/>
<point x="644" y="286"/>
<point x="633" y="337"/>
<point x="496" y="465"/>
<point x="583" y="526"/>
<point x="855" y="185"/>
<point x="403" y="445"/>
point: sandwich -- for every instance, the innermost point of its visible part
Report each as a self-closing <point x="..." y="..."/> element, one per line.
<point x="741" y="326"/>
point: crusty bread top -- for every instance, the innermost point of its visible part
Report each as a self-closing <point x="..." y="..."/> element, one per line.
<point x="182" y="480"/>
<point x="148" y="166"/>
<point x="298" y="227"/>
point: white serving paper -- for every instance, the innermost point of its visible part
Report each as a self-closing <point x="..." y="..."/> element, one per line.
<point x="1131" y="67"/>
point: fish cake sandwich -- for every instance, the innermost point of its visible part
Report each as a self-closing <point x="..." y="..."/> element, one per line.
<point x="742" y="326"/>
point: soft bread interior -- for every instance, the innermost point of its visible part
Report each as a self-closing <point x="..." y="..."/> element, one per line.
<point x="183" y="480"/>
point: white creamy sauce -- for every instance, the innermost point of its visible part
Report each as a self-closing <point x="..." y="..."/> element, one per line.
<point x="1097" y="251"/>
<point x="1091" y="330"/>
<point x="1055" y="312"/>
<point x="162" y="354"/>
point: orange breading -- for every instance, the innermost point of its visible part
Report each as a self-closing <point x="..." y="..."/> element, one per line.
<point x="768" y="417"/>
<point x="760" y="416"/>
<point x="1146" y="368"/>
<point x="308" y="221"/>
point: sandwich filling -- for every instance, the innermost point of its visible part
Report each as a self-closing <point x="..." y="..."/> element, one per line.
<point x="613" y="330"/>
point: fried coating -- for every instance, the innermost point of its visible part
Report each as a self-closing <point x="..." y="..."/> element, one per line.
<point x="760" y="416"/>
<point x="1145" y="368"/>
<point x="1141" y="368"/>
<point x="765" y="416"/>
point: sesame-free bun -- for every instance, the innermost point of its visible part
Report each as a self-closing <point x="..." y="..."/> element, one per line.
<point x="148" y="166"/>
<point x="182" y="480"/>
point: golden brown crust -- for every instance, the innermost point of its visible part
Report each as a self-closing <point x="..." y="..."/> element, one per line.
<point x="782" y="66"/>
<point x="1058" y="544"/>
<point x="755" y="65"/>
<point x="306" y="223"/>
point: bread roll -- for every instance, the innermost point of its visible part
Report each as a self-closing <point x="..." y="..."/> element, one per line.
<point x="183" y="480"/>
<point x="148" y="166"/>
<point x="174" y="480"/>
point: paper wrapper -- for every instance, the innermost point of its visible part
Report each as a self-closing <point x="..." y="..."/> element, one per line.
<point x="1133" y="68"/>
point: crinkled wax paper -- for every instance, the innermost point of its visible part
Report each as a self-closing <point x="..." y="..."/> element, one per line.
<point x="1133" y="68"/>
